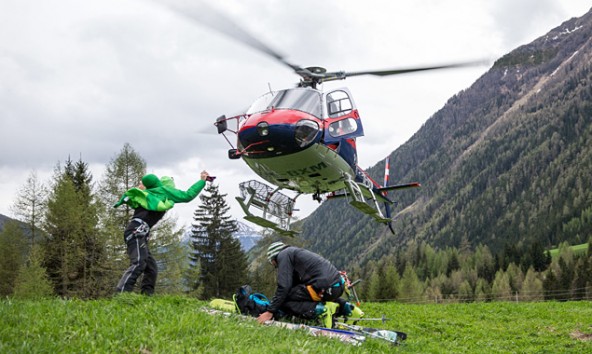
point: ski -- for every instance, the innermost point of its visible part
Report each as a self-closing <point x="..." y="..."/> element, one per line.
<point x="395" y="337"/>
<point x="383" y="319"/>
<point x="350" y="337"/>
<point x="345" y="336"/>
<point x="345" y="332"/>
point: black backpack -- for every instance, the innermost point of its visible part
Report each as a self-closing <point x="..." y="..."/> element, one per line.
<point x="249" y="303"/>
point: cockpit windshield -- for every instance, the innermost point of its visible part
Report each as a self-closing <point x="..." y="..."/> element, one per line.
<point x="301" y="99"/>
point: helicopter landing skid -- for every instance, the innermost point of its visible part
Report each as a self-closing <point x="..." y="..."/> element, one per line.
<point x="367" y="209"/>
<point x="277" y="208"/>
<point x="355" y="193"/>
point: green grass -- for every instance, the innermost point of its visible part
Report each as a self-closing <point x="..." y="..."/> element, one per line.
<point x="577" y="250"/>
<point x="172" y="324"/>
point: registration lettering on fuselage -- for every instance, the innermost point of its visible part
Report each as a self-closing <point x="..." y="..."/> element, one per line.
<point x="307" y="170"/>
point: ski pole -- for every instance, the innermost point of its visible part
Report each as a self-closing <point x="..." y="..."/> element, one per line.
<point x="383" y="319"/>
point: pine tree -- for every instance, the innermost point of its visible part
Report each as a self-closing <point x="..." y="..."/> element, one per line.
<point x="485" y="263"/>
<point x="93" y="247"/>
<point x="501" y="290"/>
<point x="532" y="286"/>
<point x="390" y="284"/>
<point x="551" y="285"/>
<point x="372" y="287"/>
<point x="61" y="245"/>
<point x="515" y="276"/>
<point x="223" y="263"/>
<point x="539" y="259"/>
<point x="72" y="248"/>
<point x="433" y="291"/>
<point x="32" y="281"/>
<point x="411" y="287"/>
<point x="482" y="290"/>
<point x="465" y="292"/>
<point x="453" y="262"/>
<point x="13" y="248"/>
<point x="192" y="275"/>
<point x="566" y="277"/>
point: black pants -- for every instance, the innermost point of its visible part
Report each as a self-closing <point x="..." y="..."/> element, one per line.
<point x="299" y="303"/>
<point x="141" y="261"/>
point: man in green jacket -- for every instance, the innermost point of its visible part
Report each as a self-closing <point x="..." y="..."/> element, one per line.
<point x="150" y="201"/>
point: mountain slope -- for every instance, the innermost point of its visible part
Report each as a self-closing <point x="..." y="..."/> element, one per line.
<point x="508" y="160"/>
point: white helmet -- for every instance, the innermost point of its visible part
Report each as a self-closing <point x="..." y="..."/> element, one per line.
<point x="274" y="249"/>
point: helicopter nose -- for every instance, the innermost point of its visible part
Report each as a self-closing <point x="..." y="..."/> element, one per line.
<point x="278" y="134"/>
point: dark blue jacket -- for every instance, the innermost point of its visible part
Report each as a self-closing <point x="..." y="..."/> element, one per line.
<point x="299" y="266"/>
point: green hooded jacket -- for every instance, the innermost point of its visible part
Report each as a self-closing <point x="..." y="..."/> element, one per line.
<point x="161" y="197"/>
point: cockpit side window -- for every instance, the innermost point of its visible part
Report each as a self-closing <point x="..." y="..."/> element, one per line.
<point x="338" y="104"/>
<point x="343" y="127"/>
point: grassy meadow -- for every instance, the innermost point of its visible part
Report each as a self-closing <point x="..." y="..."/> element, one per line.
<point x="577" y="250"/>
<point x="133" y="323"/>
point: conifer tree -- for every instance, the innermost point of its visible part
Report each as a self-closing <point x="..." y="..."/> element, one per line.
<point x="482" y="290"/>
<point x="551" y="285"/>
<point x="93" y="246"/>
<point x="193" y="286"/>
<point x="13" y="248"/>
<point x="223" y="263"/>
<point x="72" y="248"/>
<point x="581" y="277"/>
<point x="532" y="286"/>
<point x="515" y="276"/>
<point x="465" y="292"/>
<point x="390" y="282"/>
<point x="540" y="262"/>
<point x="501" y="290"/>
<point x="411" y="287"/>
<point x="433" y="291"/>
<point x="61" y="224"/>
<point x="372" y="287"/>
<point x="485" y="263"/>
<point x="32" y="281"/>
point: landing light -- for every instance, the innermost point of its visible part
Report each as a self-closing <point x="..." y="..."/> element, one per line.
<point x="263" y="128"/>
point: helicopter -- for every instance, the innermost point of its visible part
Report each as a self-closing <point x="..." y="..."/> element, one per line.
<point x="301" y="138"/>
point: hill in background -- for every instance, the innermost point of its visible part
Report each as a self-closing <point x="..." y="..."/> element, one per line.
<point x="508" y="160"/>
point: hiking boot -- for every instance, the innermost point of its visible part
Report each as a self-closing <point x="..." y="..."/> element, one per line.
<point x="345" y="309"/>
<point x="326" y="317"/>
<point x="357" y="313"/>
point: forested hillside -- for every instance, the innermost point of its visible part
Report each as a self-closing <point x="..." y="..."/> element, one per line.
<point x="507" y="161"/>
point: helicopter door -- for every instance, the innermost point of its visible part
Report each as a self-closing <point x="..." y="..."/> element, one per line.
<point x="342" y="120"/>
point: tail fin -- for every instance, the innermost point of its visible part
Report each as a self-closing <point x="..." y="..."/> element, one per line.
<point x="387" y="168"/>
<point x="387" y="207"/>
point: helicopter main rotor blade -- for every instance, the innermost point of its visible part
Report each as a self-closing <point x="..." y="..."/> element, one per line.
<point x="202" y="13"/>
<point x="389" y="72"/>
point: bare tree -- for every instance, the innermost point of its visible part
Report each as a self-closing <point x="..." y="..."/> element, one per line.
<point x="29" y="206"/>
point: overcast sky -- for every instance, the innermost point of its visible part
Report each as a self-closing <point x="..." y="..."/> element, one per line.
<point x="81" y="78"/>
